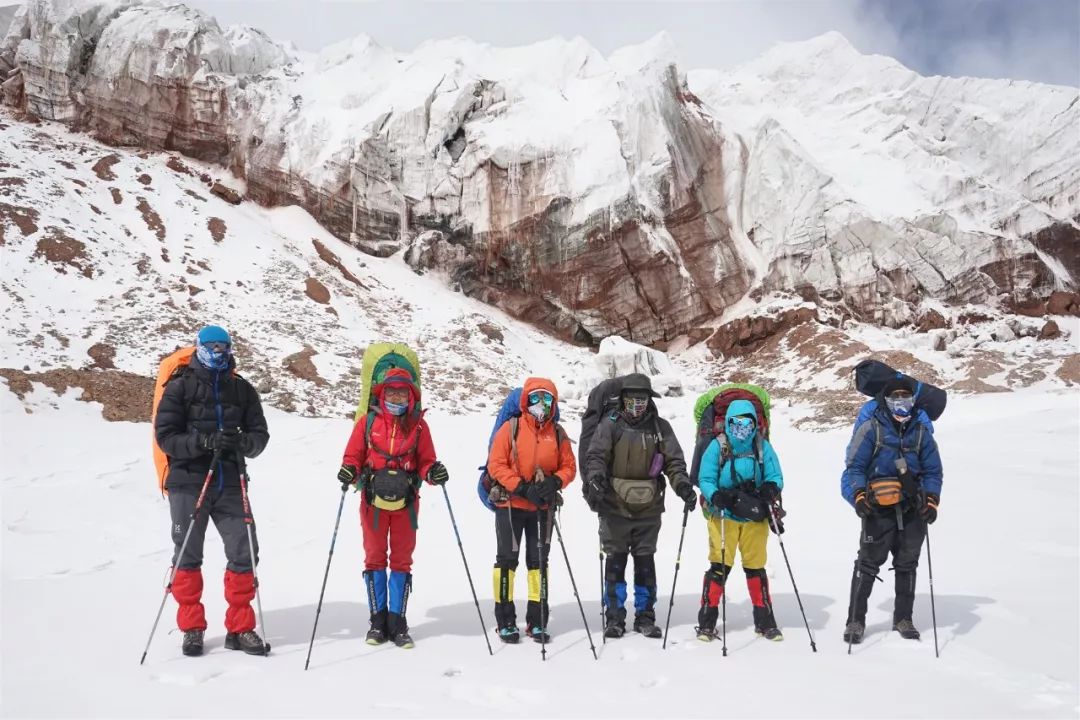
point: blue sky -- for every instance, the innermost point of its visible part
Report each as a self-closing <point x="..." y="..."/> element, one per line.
<point x="1019" y="39"/>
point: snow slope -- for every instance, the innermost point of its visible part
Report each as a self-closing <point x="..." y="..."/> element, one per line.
<point x="86" y="545"/>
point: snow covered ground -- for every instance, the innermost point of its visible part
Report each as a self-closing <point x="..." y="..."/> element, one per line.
<point x="86" y="546"/>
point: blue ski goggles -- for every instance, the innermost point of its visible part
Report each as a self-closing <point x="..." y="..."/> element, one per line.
<point x="541" y="397"/>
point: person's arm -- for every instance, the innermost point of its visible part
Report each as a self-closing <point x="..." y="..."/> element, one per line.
<point x="174" y="437"/>
<point x="708" y="477"/>
<point x="425" y="450"/>
<point x="860" y="452"/>
<point x="674" y="462"/>
<point x="500" y="465"/>
<point x="930" y="461"/>
<point x="598" y="459"/>
<point x="567" y="462"/>
<point x="356" y="449"/>
<point x="772" y="472"/>
<point x="256" y="433"/>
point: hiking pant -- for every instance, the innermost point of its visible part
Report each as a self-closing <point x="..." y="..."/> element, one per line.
<point x="884" y="533"/>
<point x="226" y="508"/>
<point x="751" y="540"/>
<point x="510" y="525"/>
<point x="622" y="537"/>
<point x="389" y="533"/>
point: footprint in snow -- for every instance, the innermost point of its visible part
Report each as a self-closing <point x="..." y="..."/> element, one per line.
<point x="186" y="680"/>
<point x="452" y="672"/>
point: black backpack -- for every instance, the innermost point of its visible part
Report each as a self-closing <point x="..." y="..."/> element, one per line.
<point x="603" y="401"/>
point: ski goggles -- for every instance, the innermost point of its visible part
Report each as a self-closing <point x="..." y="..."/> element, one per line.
<point x="741" y="427"/>
<point x="541" y="397"/>
<point x="900" y="405"/>
<point x="217" y="347"/>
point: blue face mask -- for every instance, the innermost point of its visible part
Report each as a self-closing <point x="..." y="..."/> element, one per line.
<point x="214" y="356"/>
<point x="396" y="408"/>
<point x="741" y="428"/>
<point x="900" y="407"/>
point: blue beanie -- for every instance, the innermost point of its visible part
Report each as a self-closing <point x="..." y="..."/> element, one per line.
<point x="212" y="334"/>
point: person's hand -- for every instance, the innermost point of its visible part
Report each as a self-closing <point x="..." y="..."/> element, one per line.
<point x="594" y="492"/>
<point x="534" y="493"/>
<point x="223" y="441"/>
<point x="722" y="499"/>
<point x="928" y="511"/>
<point x="862" y="505"/>
<point x="437" y="474"/>
<point x="550" y="485"/>
<point x="769" y="492"/>
<point x="347" y="475"/>
<point x="685" y="490"/>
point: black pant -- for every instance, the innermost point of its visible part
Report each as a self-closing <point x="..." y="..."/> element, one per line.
<point x="887" y="532"/>
<point x="226" y="509"/>
<point x="510" y="525"/>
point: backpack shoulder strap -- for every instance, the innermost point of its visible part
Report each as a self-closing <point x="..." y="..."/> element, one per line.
<point x="513" y="437"/>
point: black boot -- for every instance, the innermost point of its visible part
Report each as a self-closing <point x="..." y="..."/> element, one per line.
<point x="907" y="629"/>
<point x="712" y="592"/>
<point x="398" y="629"/>
<point x="377" y="634"/>
<point x="249" y="642"/>
<point x="854" y="631"/>
<point x="757" y="582"/>
<point x="505" y="612"/>
<point x="193" y="643"/>
<point x="904" y="604"/>
<point x="645" y="596"/>
<point x="645" y="623"/>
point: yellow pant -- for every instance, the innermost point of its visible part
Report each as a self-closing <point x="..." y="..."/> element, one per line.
<point x="749" y="537"/>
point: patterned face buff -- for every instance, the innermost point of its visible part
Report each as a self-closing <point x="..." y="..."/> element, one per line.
<point x="635" y="405"/>
<point x="741" y="427"/>
<point x="540" y="402"/>
<point x="214" y="356"/>
<point x="900" y="404"/>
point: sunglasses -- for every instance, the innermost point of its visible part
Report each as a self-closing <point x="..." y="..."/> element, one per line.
<point x="540" y="396"/>
<point x="218" y="347"/>
<point x="741" y="421"/>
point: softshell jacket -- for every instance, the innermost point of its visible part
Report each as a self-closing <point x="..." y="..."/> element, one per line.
<point x="613" y="428"/>
<point x="199" y="400"/>
<point x="862" y="465"/>
<point x="715" y="475"/>
<point x="538" y="446"/>
<point x="401" y="442"/>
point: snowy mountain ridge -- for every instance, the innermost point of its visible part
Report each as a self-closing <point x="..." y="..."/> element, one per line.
<point x="599" y="195"/>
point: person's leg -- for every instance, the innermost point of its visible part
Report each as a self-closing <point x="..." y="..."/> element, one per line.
<point x="187" y="584"/>
<point x="507" y="537"/>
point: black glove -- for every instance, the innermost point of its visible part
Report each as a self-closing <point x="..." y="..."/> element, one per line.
<point x="347" y="475"/>
<point x="594" y="492"/>
<point x="778" y="514"/>
<point x="437" y="475"/>
<point x="685" y="490"/>
<point x="722" y="499"/>
<point x="769" y="492"/>
<point x="928" y="511"/>
<point x="862" y="505"/>
<point x="550" y="485"/>
<point x="533" y="492"/>
<point x="223" y="441"/>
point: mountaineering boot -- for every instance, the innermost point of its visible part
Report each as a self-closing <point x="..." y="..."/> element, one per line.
<point x="614" y="628"/>
<point x="193" y="643"/>
<point x="646" y="625"/>
<point x="398" y="629"/>
<point x="853" y="633"/>
<point x="399" y="588"/>
<point x="772" y="633"/>
<point x="377" y="634"/>
<point x="539" y="635"/>
<point x="907" y="630"/>
<point x="712" y="590"/>
<point x="510" y="634"/>
<point x="248" y="641"/>
<point x="757" y="582"/>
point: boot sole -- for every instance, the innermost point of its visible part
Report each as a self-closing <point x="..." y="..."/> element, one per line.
<point x="405" y="646"/>
<point x="778" y="638"/>
<point x="375" y="642"/>
<point x="192" y="652"/>
<point x="265" y="650"/>
<point x="657" y="636"/>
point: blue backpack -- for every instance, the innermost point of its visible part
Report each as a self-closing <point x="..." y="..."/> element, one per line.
<point x="489" y="490"/>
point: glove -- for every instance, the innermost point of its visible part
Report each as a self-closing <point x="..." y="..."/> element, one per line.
<point x="437" y="475"/>
<point x="722" y="499"/>
<point x="346" y="476"/>
<point x="594" y="492"/>
<point x="769" y="492"/>
<point x="862" y="505"/>
<point x="685" y="490"/>
<point x="534" y="493"/>
<point x="928" y="511"/>
<point x="223" y="441"/>
<point x="550" y="485"/>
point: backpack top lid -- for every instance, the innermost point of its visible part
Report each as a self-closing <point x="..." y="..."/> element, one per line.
<point x="379" y="359"/>
<point x="711" y="406"/>
<point x="872" y="377"/>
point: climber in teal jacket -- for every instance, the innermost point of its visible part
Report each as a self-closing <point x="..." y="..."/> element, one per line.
<point x="740" y="478"/>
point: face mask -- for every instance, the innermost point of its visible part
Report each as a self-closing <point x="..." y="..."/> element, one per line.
<point x="214" y="356"/>
<point x="540" y="412"/>
<point x="741" y="428"/>
<point x="900" y="407"/>
<point x="396" y="408"/>
<point x="635" y="407"/>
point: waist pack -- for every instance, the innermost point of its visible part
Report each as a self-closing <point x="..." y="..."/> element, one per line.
<point x="748" y="506"/>
<point x="636" y="495"/>
<point x="390" y="489"/>
<point x="886" y="492"/>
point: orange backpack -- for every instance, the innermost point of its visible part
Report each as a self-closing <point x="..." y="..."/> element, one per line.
<point x="169" y="367"/>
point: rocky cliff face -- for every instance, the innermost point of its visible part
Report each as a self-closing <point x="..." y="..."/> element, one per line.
<point x="598" y="195"/>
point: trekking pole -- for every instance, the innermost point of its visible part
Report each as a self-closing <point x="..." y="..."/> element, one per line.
<point x="588" y="633"/>
<point x="543" y="539"/>
<point x="678" y="560"/>
<point x="248" y="522"/>
<point x="776" y="529"/>
<point x="723" y="587"/>
<point x="933" y="611"/>
<point x="468" y="574"/>
<point x="603" y="594"/>
<point x="333" y="541"/>
<point x="180" y="555"/>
